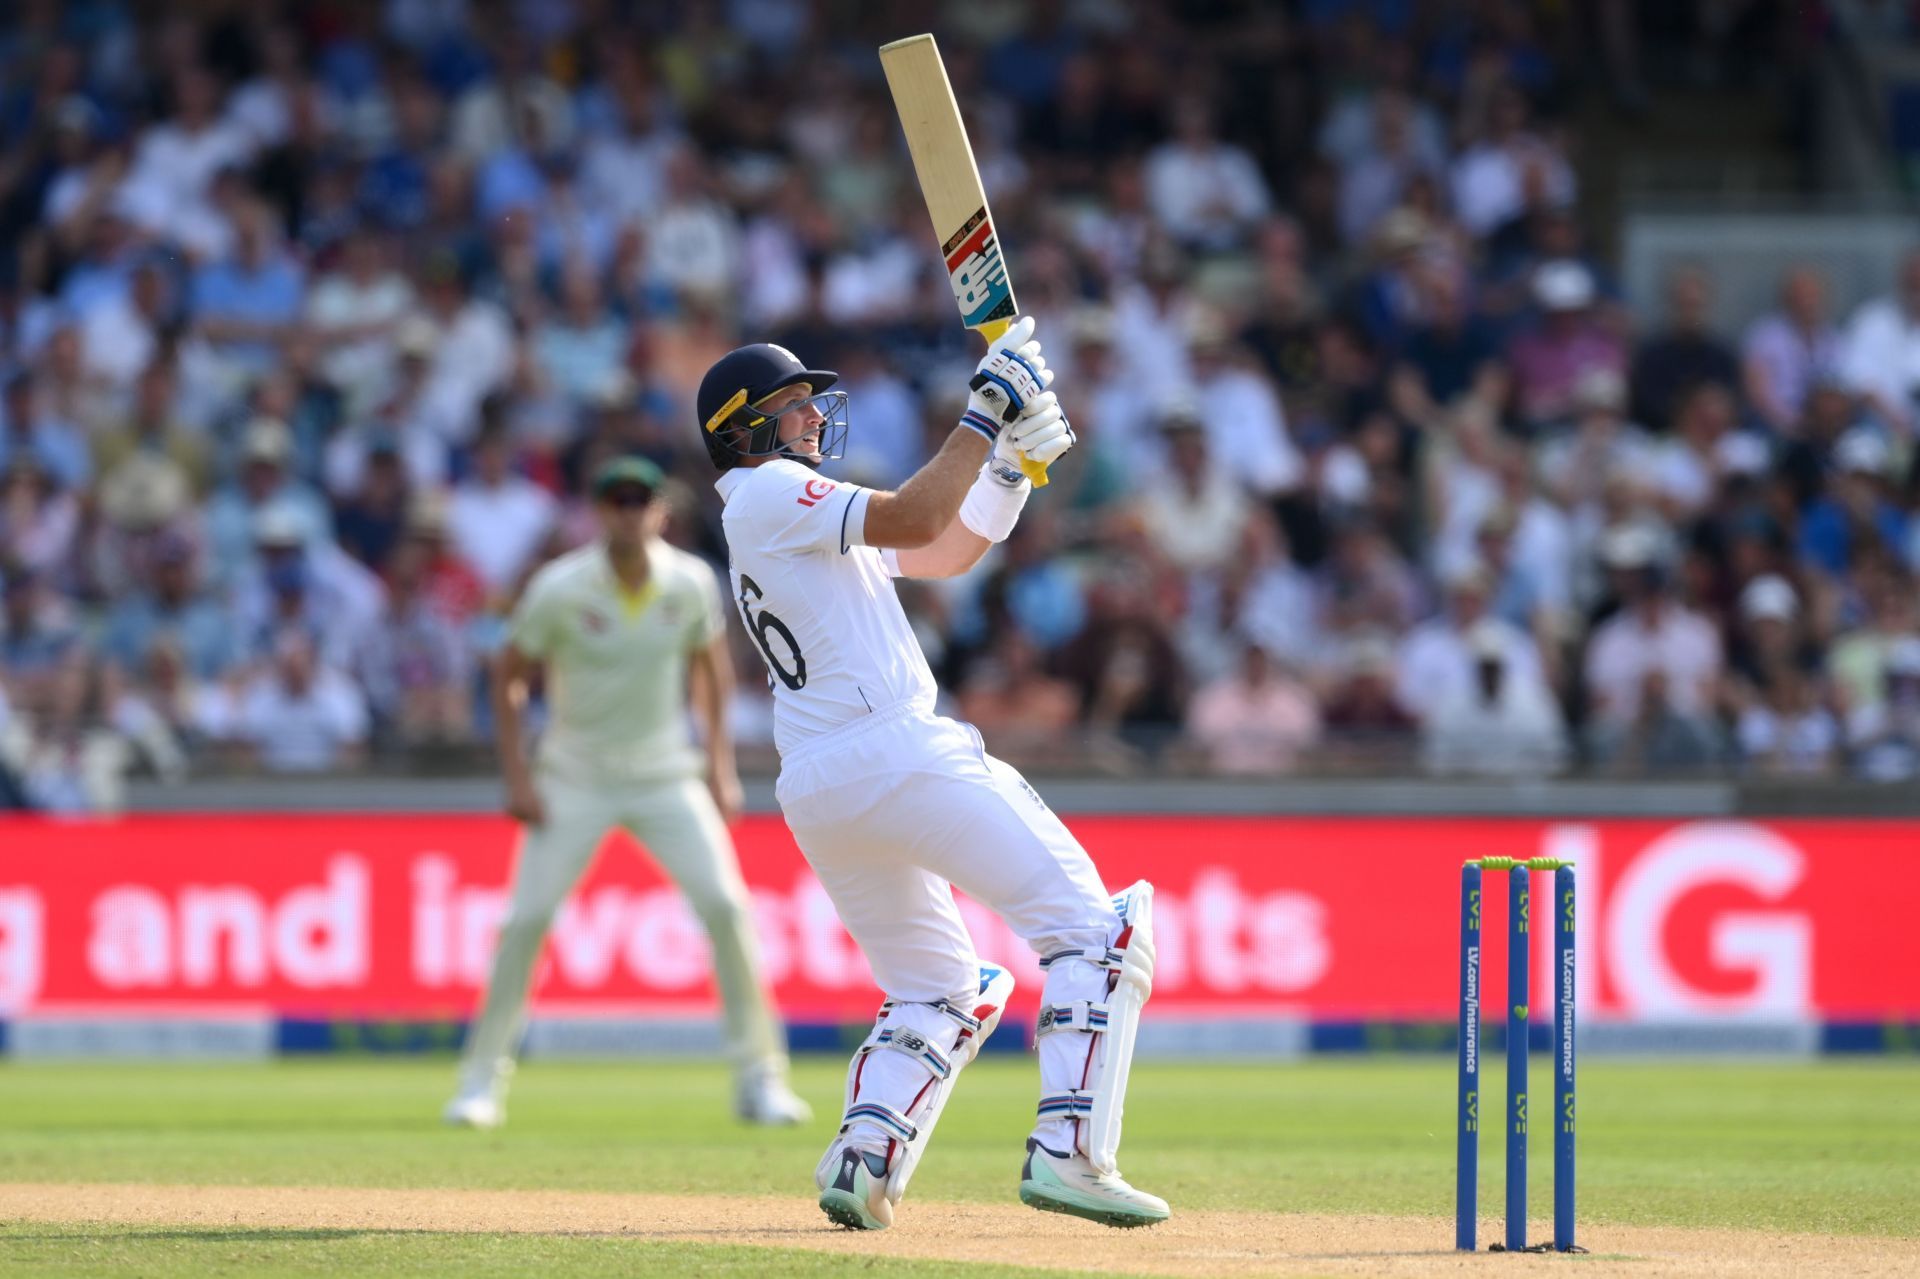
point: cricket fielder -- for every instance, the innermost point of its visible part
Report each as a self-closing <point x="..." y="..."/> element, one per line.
<point x="617" y="624"/>
<point x="893" y="804"/>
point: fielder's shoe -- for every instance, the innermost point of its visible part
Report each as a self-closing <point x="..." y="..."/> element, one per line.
<point x="761" y="1096"/>
<point x="475" y="1110"/>
<point x="1053" y="1182"/>
<point x="857" y="1196"/>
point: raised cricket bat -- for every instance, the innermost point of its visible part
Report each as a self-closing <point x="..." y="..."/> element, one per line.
<point x="950" y="183"/>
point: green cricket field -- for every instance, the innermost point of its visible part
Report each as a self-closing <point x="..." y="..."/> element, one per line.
<point x="1330" y="1166"/>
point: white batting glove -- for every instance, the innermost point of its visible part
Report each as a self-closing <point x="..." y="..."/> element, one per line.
<point x="1041" y="434"/>
<point x="1011" y="376"/>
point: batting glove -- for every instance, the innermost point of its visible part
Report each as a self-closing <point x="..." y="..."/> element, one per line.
<point x="1040" y="435"/>
<point x="1012" y="376"/>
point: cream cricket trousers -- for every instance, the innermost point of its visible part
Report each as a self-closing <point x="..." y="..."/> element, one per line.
<point x="679" y="826"/>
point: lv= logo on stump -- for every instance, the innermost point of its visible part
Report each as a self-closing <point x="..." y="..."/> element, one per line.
<point x="1519" y="956"/>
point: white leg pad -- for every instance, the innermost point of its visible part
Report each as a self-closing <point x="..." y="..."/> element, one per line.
<point x="942" y="1038"/>
<point x="1116" y="1025"/>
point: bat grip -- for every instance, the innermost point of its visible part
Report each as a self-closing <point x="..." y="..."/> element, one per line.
<point x="1035" y="471"/>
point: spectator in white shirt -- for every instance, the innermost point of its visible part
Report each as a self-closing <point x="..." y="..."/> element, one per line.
<point x="1208" y="193"/>
<point x="1688" y="466"/>
<point x="1146" y="315"/>
<point x="354" y="313"/>
<point x="1788" y="352"/>
<point x="263" y="108"/>
<point x="174" y="163"/>
<point x="497" y="519"/>
<point x="398" y="424"/>
<point x="1437" y="664"/>
<point x="1195" y="515"/>
<point x="1884" y="735"/>
<point x="624" y="170"/>
<point x="1494" y="725"/>
<point x="1104" y="394"/>
<point x="119" y="336"/>
<point x="516" y="106"/>
<point x="476" y="352"/>
<point x="316" y="591"/>
<point x="693" y="242"/>
<point x="302" y="715"/>
<point x="1373" y="182"/>
<point x="1880" y="351"/>
<point x="1652" y="634"/>
<point x="1241" y="410"/>
<point x="1787" y="730"/>
<point x="1491" y="178"/>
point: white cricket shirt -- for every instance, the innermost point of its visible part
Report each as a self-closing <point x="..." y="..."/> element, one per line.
<point x="616" y="662"/>
<point x="818" y="603"/>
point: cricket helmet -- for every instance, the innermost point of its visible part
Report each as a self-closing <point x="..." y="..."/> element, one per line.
<point x="731" y="422"/>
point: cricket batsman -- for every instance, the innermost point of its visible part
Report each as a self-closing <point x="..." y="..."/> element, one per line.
<point x="893" y="805"/>
<point x="618" y="625"/>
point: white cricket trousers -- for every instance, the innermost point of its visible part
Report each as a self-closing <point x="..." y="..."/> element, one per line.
<point x="895" y="810"/>
<point x="678" y="824"/>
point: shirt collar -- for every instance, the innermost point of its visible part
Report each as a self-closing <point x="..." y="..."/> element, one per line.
<point x="634" y="602"/>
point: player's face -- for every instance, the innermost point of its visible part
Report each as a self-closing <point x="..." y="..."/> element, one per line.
<point x="628" y="513"/>
<point x="800" y="419"/>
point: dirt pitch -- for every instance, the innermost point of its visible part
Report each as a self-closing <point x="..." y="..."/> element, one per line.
<point x="1193" y="1243"/>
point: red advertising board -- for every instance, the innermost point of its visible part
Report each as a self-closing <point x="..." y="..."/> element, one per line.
<point x="1319" y="918"/>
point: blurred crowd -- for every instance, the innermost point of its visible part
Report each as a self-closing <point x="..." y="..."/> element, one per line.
<point x="314" y="317"/>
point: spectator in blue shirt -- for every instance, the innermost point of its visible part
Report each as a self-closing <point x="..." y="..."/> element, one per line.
<point x="264" y="481"/>
<point x="171" y="610"/>
<point x="27" y="430"/>
<point x="38" y="635"/>
<point x="1855" y="509"/>
<point x="247" y="305"/>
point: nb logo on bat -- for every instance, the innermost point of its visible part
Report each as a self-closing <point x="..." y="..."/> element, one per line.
<point x="980" y="283"/>
<point x="978" y="274"/>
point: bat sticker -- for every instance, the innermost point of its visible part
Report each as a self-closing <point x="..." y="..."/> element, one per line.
<point x="978" y="274"/>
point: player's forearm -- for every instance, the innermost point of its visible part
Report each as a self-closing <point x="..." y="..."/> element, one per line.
<point x="925" y="506"/>
<point x="508" y="694"/>
<point x="712" y="694"/>
<point x="956" y="550"/>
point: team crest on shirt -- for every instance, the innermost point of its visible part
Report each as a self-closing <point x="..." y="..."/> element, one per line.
<point x="593" y="621"/>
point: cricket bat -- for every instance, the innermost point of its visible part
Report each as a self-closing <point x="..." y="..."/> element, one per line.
<point x="950" y="183"/>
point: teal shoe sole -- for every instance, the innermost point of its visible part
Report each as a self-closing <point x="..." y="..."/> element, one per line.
<point x="847" y="1210"/>
<point x="1046" y="1199"/>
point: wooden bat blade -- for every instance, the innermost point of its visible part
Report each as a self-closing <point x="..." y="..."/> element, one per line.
<point x="950" y="183"/>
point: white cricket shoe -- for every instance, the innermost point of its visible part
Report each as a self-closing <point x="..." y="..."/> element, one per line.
<point x="856" y="1194"/>
<point x="762" y="1097"/>
<point x="475" y="1110"/>
<point x="1053" y="1182"/>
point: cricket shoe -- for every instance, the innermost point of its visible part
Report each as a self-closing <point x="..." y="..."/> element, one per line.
<point x="857" y="1196"/>
<point x="762" y="1097"/>
<point x="1053" y="1182"/>
<point x="475" y="1110"/>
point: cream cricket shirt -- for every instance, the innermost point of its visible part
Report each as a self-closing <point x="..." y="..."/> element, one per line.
<point x="818" y="604"/>
<point x="617" y="662"/>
